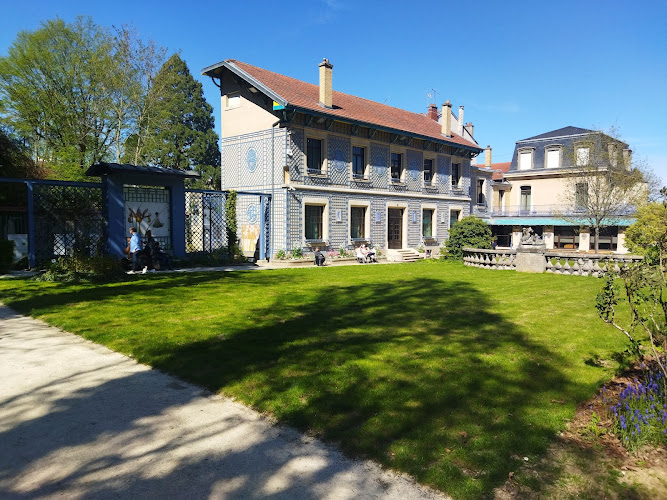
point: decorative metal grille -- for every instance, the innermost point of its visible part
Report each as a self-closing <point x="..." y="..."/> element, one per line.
<point x="205" y="221"/>
<point x="68" y="220"/>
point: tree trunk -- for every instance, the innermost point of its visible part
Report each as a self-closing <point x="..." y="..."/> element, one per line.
<point x="597" y="239"/>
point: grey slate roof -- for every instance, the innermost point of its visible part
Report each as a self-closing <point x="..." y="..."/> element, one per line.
<point x="113" y="168"/>
<point x="569" y="130"/>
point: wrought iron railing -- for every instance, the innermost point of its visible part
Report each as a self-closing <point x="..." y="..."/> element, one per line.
<point x="545" y="210"/>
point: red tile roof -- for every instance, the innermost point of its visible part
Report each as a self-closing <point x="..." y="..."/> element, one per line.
<point x="498" y="169"/>
<point x="307" y="96"/>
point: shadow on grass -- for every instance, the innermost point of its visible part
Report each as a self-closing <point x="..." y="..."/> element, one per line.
<point x="33" y="295"/>
<point x="419" y="374"/>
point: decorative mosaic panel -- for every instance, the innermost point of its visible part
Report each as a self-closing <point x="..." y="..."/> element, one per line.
<point x="444" y="175"/>
<point x="379" y="162"/>
<point x="230" y="160"/>
<point x="338" y="160"/>
<point x="465" y="181"/>
<point x="252" y="164"/>
<point x="378" y="221"/>
<point x="338" y="226"/>
<point x="414" y="166"/>
<point x="442" y="231"/>
<point x="296" y="158"/>
<point x="294" y="221"/>
<point x="414" y="223"/>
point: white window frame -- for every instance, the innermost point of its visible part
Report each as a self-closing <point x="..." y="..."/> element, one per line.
<point x="404" y="222"/>
<point x="323" y="152"/>
<point x="401" y="178"/>
<point x="451" y="209"/>
<point x="551" y="149"/>
<point x="434" y="169"/>
<point x="367" y="165"/>
<point x="367" y="218"/>
<point x="520" y="155"/>
<point x="451" y="173"/>
<point x="530" y="205"/>
<point x="232" y="100"/>
<point x="434" y="220"/>
<point x="322" y="202"/>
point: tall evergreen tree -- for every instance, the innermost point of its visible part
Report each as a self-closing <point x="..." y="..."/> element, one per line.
<point x="183" y="130"/>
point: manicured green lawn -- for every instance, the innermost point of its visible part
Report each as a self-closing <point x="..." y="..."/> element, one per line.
<point x="451" y="374"/>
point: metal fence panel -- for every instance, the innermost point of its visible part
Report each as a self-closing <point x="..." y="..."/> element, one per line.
<point x="205" y="221"/>
<point x="68" y="220"/>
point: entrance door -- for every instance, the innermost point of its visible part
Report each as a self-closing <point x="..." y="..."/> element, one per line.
<point x="395" y="223"/>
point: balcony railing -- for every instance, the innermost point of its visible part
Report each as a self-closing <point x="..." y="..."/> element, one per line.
<point x="544" y="210"/>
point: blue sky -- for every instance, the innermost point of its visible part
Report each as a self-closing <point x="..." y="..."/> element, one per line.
<point x="519" y="68"/>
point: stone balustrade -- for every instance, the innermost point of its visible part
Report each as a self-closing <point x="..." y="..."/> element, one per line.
<point x="556" y="263"/>
<point x="587" y="264"/>
<point x="489" y="259"/>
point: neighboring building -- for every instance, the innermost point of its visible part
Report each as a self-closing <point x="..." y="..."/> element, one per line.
<point x="529" y="192"/>
<point x="341" y="169"/>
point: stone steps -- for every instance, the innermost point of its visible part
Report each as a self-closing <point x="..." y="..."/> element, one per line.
<point x="404" y="255"/>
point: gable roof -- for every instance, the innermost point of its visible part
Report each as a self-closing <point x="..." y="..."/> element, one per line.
<point x="498" y="169"/>
<point x="297" y="94"/>
<point x="561" y="132"/>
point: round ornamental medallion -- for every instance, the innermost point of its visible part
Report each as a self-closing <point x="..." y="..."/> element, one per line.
<point x="252" y="213"/>
<point x="380" y="165"/>
<point x="413" y="170"/>
<point x="251" y="159"/>
<point x="339" y="160"/>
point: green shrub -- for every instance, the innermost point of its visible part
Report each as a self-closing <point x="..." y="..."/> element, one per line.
<point x="297" y="253"/>
<point x="78" y="268"/>
<point x="343" y="252"/>
<point x="6" y="255"/>
<point x="281" y="254"/>
<point x="471" y="232"/>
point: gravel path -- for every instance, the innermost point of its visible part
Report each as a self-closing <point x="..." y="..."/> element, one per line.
<point x="80" y="421"/>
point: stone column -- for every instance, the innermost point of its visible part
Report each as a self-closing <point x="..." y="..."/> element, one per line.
<point x="585" y="239"/>
<point x="548" y="236"/>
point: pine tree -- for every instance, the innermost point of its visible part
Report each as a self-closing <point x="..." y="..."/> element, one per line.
<point x="183" y="130"/>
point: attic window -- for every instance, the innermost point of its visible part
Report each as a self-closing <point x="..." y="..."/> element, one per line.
<point x="553" y="157"/>
<point x="526" y="159"/>
<point x="233" y="101"/>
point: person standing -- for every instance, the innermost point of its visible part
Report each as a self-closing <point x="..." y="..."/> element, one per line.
<point x="135" y="250"/>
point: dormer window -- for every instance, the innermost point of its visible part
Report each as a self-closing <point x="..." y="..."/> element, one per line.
<point x="553" y="157"/>
<point x="526" y="159"/>
<point x="583" y="156"/>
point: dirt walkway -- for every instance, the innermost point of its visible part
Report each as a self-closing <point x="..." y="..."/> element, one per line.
<point x="78" y="420"/>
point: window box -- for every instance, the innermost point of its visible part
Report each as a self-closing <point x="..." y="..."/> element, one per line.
<point x="316" y="243"/>
<point x="361" y="178"/>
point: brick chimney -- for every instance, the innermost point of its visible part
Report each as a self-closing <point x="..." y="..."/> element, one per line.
<point x="487" y="156"/>
<point x="461" y="121"/>
<point x="447" y="119"/>
<point x="433" y="112"/>
<point x="471" y="129"/>
<point x="627" y="158"/>
<point x="326" y="87"/>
